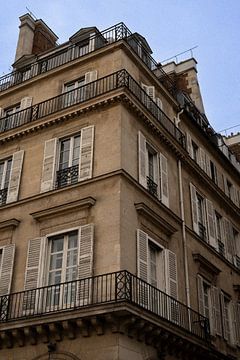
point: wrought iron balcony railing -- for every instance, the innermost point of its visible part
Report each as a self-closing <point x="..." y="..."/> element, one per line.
<point x="112" y="288"/>
<point x="3" y="196"/>
<point x="152" y="186"/>
<point x="72" y="52"/>
<point x="67" y="176"/>
<point x="202" y="231"/>
<point x="119" y="79"/>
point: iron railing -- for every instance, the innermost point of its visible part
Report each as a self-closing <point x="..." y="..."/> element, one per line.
<point x="67" y="176"/>
<point x="3" y="196"/>
<point x="202" y="231"/>
<point x="89" y="91"/>
<point x="221" y="248"/>
<point x="114" y="287"/>
<point x="152" y="186"/>
<point x="72" y="52"/>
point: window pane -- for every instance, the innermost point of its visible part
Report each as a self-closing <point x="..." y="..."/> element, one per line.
<point x="72" y="240"/>
<point x="56" y="261"/>
<point x="72" y="258"/>
<point x="57" y="244"/>
<point x="54" y="277"/>
<point x="8" y="170"/>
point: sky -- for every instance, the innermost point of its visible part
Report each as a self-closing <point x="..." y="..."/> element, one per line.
<point x="170" y="27"/>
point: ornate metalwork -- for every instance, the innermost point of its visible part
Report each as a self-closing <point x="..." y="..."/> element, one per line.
<point x="152" y="186"/>
<point x="67" y="176"/>
<point x="4" y="301"/>
<point x="3" y="196"/>
<point x="123" y="286"/>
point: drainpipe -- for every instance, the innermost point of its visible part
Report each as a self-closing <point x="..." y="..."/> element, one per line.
<point x="182" y="214"/>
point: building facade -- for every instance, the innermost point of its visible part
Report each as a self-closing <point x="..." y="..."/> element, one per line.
<point x="119" y="205"/>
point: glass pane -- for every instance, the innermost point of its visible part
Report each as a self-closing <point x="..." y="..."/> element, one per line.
<point x="54" y="277"/>
<point x="71" y="274"/>
<point x="72" y="240"/>
<point x="8" y="170"/>
<point x="57" y="244"/>
<point x="56" y="261"/>
<point x="72" y="258"/>
<point x="1" y="173"/>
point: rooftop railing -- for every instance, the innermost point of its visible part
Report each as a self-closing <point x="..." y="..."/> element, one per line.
<point x="116" y="287"/>
<point x="119" y="79"/>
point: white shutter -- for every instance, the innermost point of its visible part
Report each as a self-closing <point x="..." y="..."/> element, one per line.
<point x="164" y="180"/>
<point x="194" y="207"/>
<point x="26" y="102"/>
<point x="142" y="255"/>
<point x="200" y="295"/>
<point x="142" y="160"/>
<point x="86" y="153"/>
<point x="159" y="103"/>
<point x="15" y="176"/>
<point x="35" y="263"/>
<point x="229" y="239"/>
<point x="90" y="76"/>
<point x="85" y="264"/>
<point x="220" y="179"/>
<point x="49" y="162"/>
<point x="225" y="185"/>
<point x="211" y="225"/>
<point x="225" y="319"/>
<point x="189" y="145"/>
<point x="216" y="311"/>
<point x="151" y="92"/>
<point x="171" y="273"/>
<point x="208" y="166"/>
<point x="8" y="252"/>
<point x="202" y="159"/>
<point x="144" y="87"/>
<point x="92" y="40"/>
<point x="1" y="112"/>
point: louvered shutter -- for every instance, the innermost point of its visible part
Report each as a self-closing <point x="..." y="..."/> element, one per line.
<point x="225" y="185"/>
<point x="211" y="225"/>
<point x="90" y="76"/>
<point x="229" y="239"/>
<point x="208" y="166"/>
<point x="220" y="179"/>
<point x="8" y="252"/>
<point x="34" y="274"/>
<point x="144" y="87"/>
<point x="159" y="103"/>
<point x="164" y="180"/>
<point x="237" y="315"/>
<point x="142" y="160"/>
<point x="1" y="112"/>
<point x="26" y="102"/>
<point x="200" y="295"/>
<point x="226" y="333"/>
<point x="92" y="38"/>
<point x="216" y="311"/>
<point x="151" y="92"/>
<point x="142" y="255"/>
<point x="235" y="326"/>
<point x="49" y="163"/>
<point x="171" y="273"/>
<point x="85" y="264"/>
<point x="86" y="153"/>
<point x="194" y="207"/>
<point x="202" y="159"/>
<point x="189" y="145"/>
<point x="15" y="176"/>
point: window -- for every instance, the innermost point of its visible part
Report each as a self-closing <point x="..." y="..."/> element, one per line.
<point x="225" y="303"/>
<point x="12" y="116"/>
<point x="220" y="239"/>
<point x="5" y="169"/>
<point x="213" y="173"/>
<point x="74" y="162"/>
<point x="195" y="149"/>
<point x="153" y="170"/>
<point x="198" y="213"/>
<point x="228" y="188"/>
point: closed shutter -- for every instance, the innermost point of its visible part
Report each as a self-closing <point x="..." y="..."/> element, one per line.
<point x="15" y="176"/>
<point x="8" y="253"/>
<point x="164" y="180"/>
<point x="200" y="295"/>
<point x="235" y="323"/>
<point x="49" y="162"/>
<point x="142" y="255"/>
<point x="26" y="102"/>
<point x="92" y="38"/>
<point x="86" y="153"/>
<point x="229" y="239"/>
<point x="211" y="225"/>
<point x="226" y="333"/>
<point x="85" y="264"/>
<point x="216" y="311"/>
<point x="225" y="185"/>
<point x="220" y="179"/>
<point x="142" y="160"/>
<point x="189" y="145"/>
<point x="90" y="76"/>
<point x="34" y="275"/>
<point x="171" y="273"/>
<point x="202" y="159"/>
<point x="208" y="166"/>
<point x="194" y="207"/>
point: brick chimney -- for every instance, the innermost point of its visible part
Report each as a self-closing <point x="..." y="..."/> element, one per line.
<point x="34" y="37"/>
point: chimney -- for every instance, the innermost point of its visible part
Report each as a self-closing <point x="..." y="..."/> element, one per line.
<point x="34" y="37"/>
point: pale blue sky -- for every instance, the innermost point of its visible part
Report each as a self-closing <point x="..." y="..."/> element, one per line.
<point x="170" y="26"/>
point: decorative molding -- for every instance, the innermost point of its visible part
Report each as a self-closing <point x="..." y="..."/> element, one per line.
<point x="11" y="223"/>
<point x="206" y="264"/>
<point x="85" y="203"/>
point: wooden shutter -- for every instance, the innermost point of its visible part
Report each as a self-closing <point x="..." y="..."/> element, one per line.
<point x="49" y="162"/>
<point x="1" y="112"/>
<point x="226" y="334"/>
<point x="200" y="295"/>
<point x="144" y="87"/>
<point x="216" y="311"/>
<point x="202" y="159"/>
<point x="235" y="323"/>
<point x="164" y="180"/>
<point x="86" y="153"/>
<point x="189" y="145"/>
<point x="8" y="252"/>
<point x="151" y="92"/>
<point x="194" y="207"/>
<point x="211" y="225"/>
<point x="159" y="103"/>
<point x="142" y="255"/>
<point x="90" y="76"/>
<point x="142" y="160"/>
<point x="35" y="263"/>
<point x="15" y="176"/>
<point x="26" y="102"/>
<point x="208" y="166"/>
<point x="171" y="273"/>
<point x="92" y="38"/>
<point x="219" y="179"/>
<point x="229" y="239"/>
<point x="85" y="264"/>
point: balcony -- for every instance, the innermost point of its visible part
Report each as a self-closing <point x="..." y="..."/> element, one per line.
<point x="67" y="176"/>
<point x="152" y="186"/>
<point x="117" y="80"/>
<point x="111" y="288"/>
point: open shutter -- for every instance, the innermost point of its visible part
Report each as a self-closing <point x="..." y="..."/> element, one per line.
<point x="142" y="255"/>
<point x="226" y="330"/>
<point x="92" y="38"/>
<point x="26" y="102"/>
<point x="90" y="76"/>
<point x="15" y="176"/>
<point x="171" y="273"/>
<point x="200" y="295"/>
<point x="34" y="275"/>
<point x="194" y="207"/>
<point x="202" y="159"/>
<point x="235" y="325"/>
<point x="164" y="180"/>
<point x="211" y="226"/>
<point x="219" y="179"/>
<point x="142" y="160"/>
<point x="49" y="162"/>
<point x="189" y="145"/>
<point x="229" y="239"/>
<point x="151" y="92"/>
<point x="208" y="166"/>
<point x="159" y="103"/>
<point x="216" y="311"/>
<point x="85" y="264"/>
<point x="1" y="112"/>
<point x="8" y="253"/>
<point x="86" y="153"/>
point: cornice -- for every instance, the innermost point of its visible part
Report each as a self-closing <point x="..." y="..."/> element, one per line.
<point x="11" y="223"/>
<point x="206" y="264"/>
